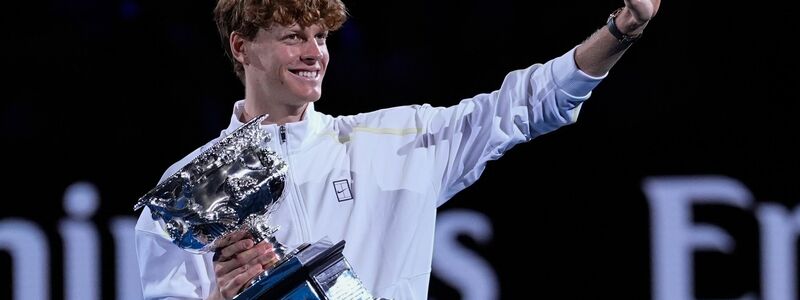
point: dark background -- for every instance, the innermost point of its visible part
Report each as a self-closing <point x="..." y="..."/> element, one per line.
<point x="113" y="92"/>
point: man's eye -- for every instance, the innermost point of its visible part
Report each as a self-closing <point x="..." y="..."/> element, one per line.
<point x="292" y="37"/>
<point x="321" y="38"/>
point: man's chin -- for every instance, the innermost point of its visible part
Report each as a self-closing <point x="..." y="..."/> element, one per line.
<point x="311" y="97"/>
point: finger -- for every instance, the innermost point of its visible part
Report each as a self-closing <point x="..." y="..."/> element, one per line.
<point x="226" y="277"/>
<point x="224" y="280"/>
<point x="237" y="282"/>
<point x="268" y="260"/>
<point x="230" y="239"/>
<point x="246" y="257"/>
<point x="234" y="249"/>
<point x="224" y="267"/>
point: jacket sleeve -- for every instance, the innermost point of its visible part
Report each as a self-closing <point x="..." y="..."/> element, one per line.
<point x="166" y="270"/>
<point x="529" y="103"/>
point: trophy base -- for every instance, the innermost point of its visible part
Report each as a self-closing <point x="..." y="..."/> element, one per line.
<point x="316" y="271"/>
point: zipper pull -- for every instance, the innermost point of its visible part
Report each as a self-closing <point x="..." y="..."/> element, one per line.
<point x="283" y="133"/>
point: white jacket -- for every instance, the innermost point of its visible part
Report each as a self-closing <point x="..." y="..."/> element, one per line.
<point x="375" y="179"/>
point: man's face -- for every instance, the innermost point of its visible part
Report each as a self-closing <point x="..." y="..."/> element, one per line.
<point x="287" y="63"/>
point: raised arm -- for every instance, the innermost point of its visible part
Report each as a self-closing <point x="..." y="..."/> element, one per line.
<point x="601" y="50"/>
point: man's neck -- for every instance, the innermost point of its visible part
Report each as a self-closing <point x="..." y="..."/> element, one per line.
<point x="277" y="114"/>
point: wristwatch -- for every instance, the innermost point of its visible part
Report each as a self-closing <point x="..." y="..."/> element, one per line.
<point x="623" y="39"/>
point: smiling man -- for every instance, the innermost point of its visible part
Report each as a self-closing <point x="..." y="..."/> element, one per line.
<point x="284" y="66"/>
<point x="374" y="179"/>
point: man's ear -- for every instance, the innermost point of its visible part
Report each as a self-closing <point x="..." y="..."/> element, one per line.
<point x="237" y="44"/>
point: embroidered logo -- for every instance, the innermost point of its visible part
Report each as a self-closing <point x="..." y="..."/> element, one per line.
<point x="342" y="188"/>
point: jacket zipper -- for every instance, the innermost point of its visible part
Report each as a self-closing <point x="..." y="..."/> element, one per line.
<point x="299" y="208"/>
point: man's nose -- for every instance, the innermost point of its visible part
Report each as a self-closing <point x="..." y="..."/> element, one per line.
<point x="312" y="52"/>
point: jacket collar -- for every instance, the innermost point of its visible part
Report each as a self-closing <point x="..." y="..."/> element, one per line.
<point x="297" y="133"/>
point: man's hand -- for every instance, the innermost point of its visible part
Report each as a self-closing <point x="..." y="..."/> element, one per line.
<point x="597" y="54"/>
<point x="643" y="10"/>
<point x="238" y="261"/>
<point x="637" y="14"/>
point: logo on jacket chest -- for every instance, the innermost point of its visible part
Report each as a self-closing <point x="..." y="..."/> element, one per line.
<point x="342" y="189"/>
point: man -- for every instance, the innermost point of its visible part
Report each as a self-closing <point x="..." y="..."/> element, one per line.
<point x="373" y="179"/>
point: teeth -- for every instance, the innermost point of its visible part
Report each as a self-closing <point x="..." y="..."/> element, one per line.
<point x="308" y="74"/>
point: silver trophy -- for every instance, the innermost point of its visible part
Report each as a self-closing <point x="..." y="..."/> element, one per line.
<point x="235" y="186"/>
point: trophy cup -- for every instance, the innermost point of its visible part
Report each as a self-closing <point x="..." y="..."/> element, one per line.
<point x="235" y="186"/>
